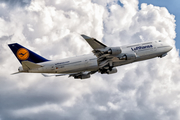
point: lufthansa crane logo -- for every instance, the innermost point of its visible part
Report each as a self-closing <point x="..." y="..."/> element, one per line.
<point x="22" y="54"/>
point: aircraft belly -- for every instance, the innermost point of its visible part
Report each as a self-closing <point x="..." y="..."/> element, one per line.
<point x="46" y="69"/>
<point x="92" y="65"/>
<point x="85" y="66"/>
<point x="139" y="58"/>
<point x="66" y="69"/>
<point x="69" y="68"/>
<point x="145" y="52"/>
<point x="149" y="56"/>
<point x="38" y="70"/>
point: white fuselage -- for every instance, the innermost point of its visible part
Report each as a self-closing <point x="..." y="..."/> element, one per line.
<point x="143" y="51"/>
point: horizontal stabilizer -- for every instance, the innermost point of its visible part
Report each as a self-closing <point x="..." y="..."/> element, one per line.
<point x="27" y="65"/>
<point x="16" y="73"/>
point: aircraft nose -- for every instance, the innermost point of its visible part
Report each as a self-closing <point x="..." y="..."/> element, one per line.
<point x="167" y="47"/>
<point x="170" y="48"/>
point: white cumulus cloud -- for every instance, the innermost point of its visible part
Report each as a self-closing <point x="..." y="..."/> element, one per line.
<point x="143" y="90"/>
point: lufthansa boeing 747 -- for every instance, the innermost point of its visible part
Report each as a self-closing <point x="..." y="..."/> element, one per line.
<point x="103" y="60"/>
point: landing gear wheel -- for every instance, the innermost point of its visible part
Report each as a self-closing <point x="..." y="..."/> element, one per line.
<point x="110" y="68"/>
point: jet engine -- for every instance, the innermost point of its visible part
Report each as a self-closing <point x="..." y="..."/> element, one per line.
<point x="108" y="71"/>
<point x="83" y="76"/>
<point x="111" y="50"/>
<point x="127" y="57"/>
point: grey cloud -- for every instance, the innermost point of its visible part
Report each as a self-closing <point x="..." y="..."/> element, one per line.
<point x="6" y="37"/>
<point x="15" y="3"/>
<point x="7" y="6"/>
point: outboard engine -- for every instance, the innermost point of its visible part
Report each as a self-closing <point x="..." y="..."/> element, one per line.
<point x="108" y="71"/>
<point x="113" y="51"/>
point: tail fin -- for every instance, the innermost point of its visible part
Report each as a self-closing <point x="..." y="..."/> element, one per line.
<point x="23" y="54"/>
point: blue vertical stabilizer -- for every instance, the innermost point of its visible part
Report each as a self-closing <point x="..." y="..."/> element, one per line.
<point x="23" y="54"/>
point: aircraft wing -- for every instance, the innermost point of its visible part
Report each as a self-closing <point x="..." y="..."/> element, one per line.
<point x="80" y="75"/>
<point x="95" y="44"/>
<point x="106" y="55"/>
<point x="99" y="49"/>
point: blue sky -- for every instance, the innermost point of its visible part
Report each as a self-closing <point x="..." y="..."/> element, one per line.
<point x="173" y="8"/>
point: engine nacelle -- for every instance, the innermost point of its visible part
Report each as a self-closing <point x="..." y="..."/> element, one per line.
<point x="110" y="50"/>
<point x="127" y="56"/>
<point x="114" y="70"/>
<point x="114" y="51"/>
<point x="131" y="56"/>
<point x="83" y="76"/>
